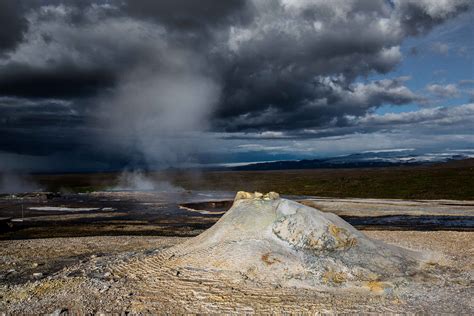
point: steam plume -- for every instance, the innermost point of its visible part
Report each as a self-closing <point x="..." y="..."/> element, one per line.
<point x="138" y="181"/>
<point x="157" y="111"/>
<point x="16" y="183"/>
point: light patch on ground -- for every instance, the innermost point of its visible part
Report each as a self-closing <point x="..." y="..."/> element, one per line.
<point x="68" y="209"/>
<point x="203" y="212"/>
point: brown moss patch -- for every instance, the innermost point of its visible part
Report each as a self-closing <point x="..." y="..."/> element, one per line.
<point x="335" y="277"/>
<point x="268" y="259"/>
<point x="342" y="237"/>
<point x="377" y="287"/>
<point x="40" y="289"/>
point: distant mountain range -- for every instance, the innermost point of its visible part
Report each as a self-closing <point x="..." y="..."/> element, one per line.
<point x="370" y="159"/>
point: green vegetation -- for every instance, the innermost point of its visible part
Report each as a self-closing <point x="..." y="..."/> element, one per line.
<point x="405" y="183"/>
<point x="454" y="180"/>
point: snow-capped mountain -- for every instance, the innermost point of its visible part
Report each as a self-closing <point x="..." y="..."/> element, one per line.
<point x="381" y="158"/>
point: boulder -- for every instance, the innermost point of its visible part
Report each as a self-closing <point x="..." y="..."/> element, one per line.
<point x="265" y="238"/>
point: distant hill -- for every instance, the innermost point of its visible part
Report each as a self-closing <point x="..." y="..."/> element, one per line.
<point x="361" y="160"/>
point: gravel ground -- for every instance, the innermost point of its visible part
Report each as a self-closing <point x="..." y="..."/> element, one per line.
<point x="90" y="275"/>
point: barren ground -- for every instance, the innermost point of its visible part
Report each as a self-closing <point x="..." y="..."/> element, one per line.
<point x="120" y="273"/>
<point x="99" y="274"/>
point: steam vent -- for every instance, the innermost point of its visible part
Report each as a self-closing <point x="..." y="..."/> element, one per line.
<point x="271" y="240"/>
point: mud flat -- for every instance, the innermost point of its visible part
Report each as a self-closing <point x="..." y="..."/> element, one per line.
<point x="144" y="274"/>
<point x="51" y="215"/>
<point x="189" y="213"/>
<point x="396" y="214"/>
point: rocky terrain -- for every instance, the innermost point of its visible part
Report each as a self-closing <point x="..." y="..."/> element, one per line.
<point x="265" y="238"/>
<point x="346" y="270"/>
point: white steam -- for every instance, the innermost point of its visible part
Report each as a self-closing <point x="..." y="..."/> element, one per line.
<point x="161" y="103"/>
<point x="17" y="183"/>
<point x="158" y="110"/>
<point x="138" y="181"/>
<point x="157" y="115"/>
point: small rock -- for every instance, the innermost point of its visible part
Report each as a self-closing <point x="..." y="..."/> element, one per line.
<point x="34" y="265"/>
<point x="60" y="312"/>
<point x="258" y="195"/>
<point x="37" y="275"/>
<point x="104" y="289"/>
<point x="76" y="273"/>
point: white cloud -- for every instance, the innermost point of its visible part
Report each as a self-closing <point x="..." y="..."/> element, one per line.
<point x="443" y="91"/>
<point x="433" y="116"/>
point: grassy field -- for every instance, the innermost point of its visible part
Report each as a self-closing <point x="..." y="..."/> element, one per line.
<point x="452" y="180"/>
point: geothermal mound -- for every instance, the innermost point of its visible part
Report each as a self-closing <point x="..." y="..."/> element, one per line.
<point x="265" y="238"/>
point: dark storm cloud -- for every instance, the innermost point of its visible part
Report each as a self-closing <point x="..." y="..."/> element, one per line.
<point x="39" y="127"/>
<point x="62" y="81"/>
<point x="80" y="48"/>
<point x="455" y="120"/>
<point x="188" y="15"/>
<point x="291" y="68"/>
<point x="14" y="24"/>
<point x="57" y="134"/>
<point x="254" y="47"/>
<point x="339" y="101"/>
<point x="139" y="71"/>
